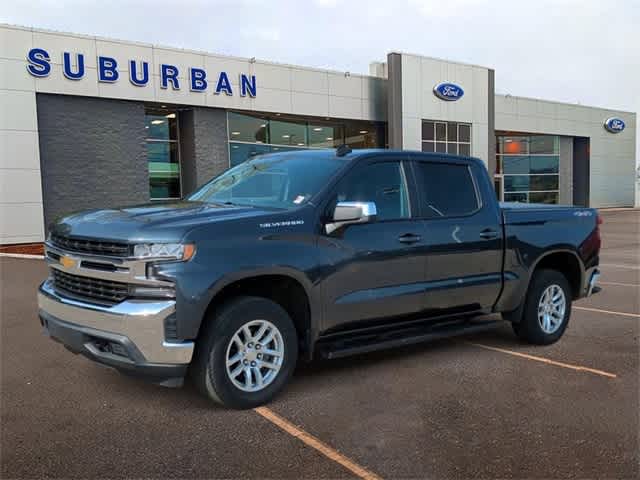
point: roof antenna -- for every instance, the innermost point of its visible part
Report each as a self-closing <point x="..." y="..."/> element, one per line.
<point x="343" y="150"/>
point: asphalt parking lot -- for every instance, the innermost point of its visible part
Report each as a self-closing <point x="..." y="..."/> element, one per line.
<point x="482" y="406"/>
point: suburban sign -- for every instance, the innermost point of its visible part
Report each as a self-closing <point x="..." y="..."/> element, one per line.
<point x="109" y="71"/>
<point x="614" y="124"/>
<point x="448" y="91"/>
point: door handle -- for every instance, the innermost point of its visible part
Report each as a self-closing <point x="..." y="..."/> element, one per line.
<point x="488" y="234"/>
<point x="409" y="238"/>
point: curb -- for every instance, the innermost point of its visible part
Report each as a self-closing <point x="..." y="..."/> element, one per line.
<point x="22" y="255"/>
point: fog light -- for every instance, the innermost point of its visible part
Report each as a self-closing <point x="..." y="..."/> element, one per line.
<point x="118" y="349"/>
<point x="140" y="291"/>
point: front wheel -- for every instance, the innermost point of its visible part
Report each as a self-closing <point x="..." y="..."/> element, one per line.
<point x="547" y="309"/>
<point x="247" y="353"/>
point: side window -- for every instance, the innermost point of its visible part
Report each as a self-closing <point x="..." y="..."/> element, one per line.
<point x="383" y="183"/>
<point x="447" y="189"/>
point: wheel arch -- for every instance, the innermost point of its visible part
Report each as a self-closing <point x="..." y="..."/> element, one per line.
<point x="287" y="287"/>
<point x="565" y="261"/>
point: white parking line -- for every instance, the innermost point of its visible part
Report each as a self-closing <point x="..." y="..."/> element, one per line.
<point x="548" y="361"/>
<point x="316" y="444"/>
<point x="635" y="285"/>
<point x="617" y="265"/>
<point x="611" y="312"/>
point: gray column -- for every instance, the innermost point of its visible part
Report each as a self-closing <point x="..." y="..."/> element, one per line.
<point x="491" y="108"/>
<point x="394" y="100"/>
<point x="566" y="170"/>
<point x="204" y="147"/>
<point x="92" y="154"/>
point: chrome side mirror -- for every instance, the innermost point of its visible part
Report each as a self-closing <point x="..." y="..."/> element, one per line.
<point x="350" y="213"/>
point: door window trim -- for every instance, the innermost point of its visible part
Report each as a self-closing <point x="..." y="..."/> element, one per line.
<point x="415" y="162"/>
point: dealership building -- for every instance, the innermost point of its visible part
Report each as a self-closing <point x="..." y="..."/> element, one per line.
<point x="88" y="122"/>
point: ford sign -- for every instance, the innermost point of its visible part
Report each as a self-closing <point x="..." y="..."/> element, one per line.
<point x="614" y="125"/>
<point x="448" y="91"/>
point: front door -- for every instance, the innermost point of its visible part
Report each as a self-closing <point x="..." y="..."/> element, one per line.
<point x="376" y="269"/>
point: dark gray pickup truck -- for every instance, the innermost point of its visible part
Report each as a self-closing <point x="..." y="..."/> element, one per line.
<point x="311" y="253"/>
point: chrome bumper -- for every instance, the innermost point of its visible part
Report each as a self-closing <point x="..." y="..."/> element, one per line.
<point x="136" y="324"/>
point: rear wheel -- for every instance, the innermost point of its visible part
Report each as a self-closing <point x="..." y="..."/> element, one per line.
<point x="247" y="353"/>
<point x="547" y="309"/>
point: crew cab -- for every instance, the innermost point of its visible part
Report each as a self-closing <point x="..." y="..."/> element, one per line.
<point x="304" y="254"/>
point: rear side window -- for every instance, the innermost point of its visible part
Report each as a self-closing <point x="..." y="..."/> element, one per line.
<point x="447" y="190"/>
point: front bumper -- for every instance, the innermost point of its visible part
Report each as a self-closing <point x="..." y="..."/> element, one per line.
<point x="128" y="336"/>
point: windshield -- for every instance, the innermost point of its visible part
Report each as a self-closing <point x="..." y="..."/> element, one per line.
<point x="277" y="181"/>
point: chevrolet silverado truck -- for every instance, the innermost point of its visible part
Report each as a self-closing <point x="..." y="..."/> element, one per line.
<point x="304" y="254"/>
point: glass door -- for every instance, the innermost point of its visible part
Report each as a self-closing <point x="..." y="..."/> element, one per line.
<point x="528" y="168"/>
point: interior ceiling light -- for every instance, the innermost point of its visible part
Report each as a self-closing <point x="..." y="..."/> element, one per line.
<point x="301" y="144"/>
<point x="317" y="129"/>
<point x="156" y="122"/>
<point x="235" y="133"/>
<point x="364" y="131"/>
<point x="171" y="115"/>
<point x="286" y="136"/>
<point x="329" y="138"/>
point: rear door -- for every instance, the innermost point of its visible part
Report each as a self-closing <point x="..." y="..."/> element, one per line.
<point x="376" y="269"/>
<point x="462" y="233"/>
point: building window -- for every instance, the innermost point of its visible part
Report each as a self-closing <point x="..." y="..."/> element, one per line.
<point x="255" y="134"/>
<point x="163" y="154"/>
<point x="446" y="137"/>
<point x="528" y="168"/>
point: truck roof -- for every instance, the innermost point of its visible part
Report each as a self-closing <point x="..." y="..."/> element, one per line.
<point x="374" y="152"/>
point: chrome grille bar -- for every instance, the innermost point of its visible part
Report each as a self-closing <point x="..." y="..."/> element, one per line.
<point x="91" y="247"/>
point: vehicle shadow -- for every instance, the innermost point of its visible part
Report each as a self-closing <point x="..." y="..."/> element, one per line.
<point x="317" y="371"/>
<point x="314" y="376"/>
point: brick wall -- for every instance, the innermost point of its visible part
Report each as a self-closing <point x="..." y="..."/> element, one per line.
<point x="92" y="153"/>
<point x="204" y="148"/>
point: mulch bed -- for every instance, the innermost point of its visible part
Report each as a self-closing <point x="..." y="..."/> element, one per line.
<point x="23" y="248"/>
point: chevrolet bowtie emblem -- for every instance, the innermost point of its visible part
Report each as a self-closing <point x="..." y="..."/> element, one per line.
<point x="67" y="262"/>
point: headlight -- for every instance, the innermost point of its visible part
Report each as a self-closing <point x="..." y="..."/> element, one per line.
<point x="174" y="251"/>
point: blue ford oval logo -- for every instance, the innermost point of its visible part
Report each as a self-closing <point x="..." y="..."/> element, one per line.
<point x="448" y="91"/>
<point x="614" y="124"/>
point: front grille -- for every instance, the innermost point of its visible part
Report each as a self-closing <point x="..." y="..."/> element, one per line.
<point x="91" y="247"/>
<point x="95" y="290"/>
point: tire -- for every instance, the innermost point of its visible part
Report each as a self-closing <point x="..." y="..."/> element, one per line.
<point x="545" y="329"/>
<point x="224" y="338"/>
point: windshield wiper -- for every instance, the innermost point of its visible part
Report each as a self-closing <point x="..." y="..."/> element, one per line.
<point x="234" y="204"/>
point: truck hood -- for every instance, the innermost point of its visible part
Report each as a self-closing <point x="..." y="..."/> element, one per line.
<point x="150" y="222"/>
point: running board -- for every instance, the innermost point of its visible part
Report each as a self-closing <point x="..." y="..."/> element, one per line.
<point x="397" y="338"/>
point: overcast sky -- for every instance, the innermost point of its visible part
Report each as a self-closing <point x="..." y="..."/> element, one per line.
<point x="582" y="51"/>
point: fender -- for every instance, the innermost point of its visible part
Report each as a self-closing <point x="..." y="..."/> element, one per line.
<point x="551" y="252"/>
<point x="514" y="315"/>
<point x="315" y="306"/>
